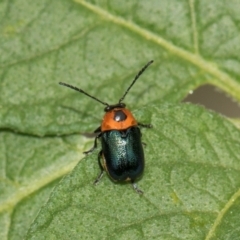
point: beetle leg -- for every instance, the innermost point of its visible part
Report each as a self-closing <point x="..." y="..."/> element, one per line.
<point x="145" y="125"/>
<point x="101" y="173"/>
<point x="95" y="144"/>
<point x="98" y="130"/>
<point x="135" y="187"/>
<point x="98" y="178"/>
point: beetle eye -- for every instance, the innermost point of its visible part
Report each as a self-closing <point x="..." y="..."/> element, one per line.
<point x="119" y="116"/>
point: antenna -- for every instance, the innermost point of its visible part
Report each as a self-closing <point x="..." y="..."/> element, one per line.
<point x="135" y="79"/>
<point x="81" y="91"/>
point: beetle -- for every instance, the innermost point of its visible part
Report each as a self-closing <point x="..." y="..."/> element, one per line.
<point x="122" y="155"/>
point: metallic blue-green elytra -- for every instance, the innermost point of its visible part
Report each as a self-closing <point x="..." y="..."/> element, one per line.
<point x="122" y="151"/>
<point x="122" y="154"/>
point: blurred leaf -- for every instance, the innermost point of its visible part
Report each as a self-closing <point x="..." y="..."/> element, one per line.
<point x="236" y="122"/>
<point x="29" y="168"/>
<point x="100" y="47"/>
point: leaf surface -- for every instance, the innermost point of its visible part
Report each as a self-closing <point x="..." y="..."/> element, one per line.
<point x="191" y="183"/>
<point x="101" y="46"/>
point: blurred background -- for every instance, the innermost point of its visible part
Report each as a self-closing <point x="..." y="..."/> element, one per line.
<point x="215" y="99"/>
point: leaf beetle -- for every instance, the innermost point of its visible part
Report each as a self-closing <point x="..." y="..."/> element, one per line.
<point x="122" y="155"/>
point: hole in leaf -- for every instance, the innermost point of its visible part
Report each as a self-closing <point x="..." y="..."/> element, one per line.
<point x="215" y="99"/>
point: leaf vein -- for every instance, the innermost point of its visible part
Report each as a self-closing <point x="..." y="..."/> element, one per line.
<point x="224" y="81"/>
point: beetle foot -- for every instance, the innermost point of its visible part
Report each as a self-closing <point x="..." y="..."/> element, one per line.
<point x="145" y="125"/>
<point x="98" y="178"/>
<point x="89" y="151"/>
<point x="135" y="187"/>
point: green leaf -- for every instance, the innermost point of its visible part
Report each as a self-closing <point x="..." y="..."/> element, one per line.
<point x="191" y="182"/>
<point x="102" y="47"/>
<point x="30" y="168"/>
